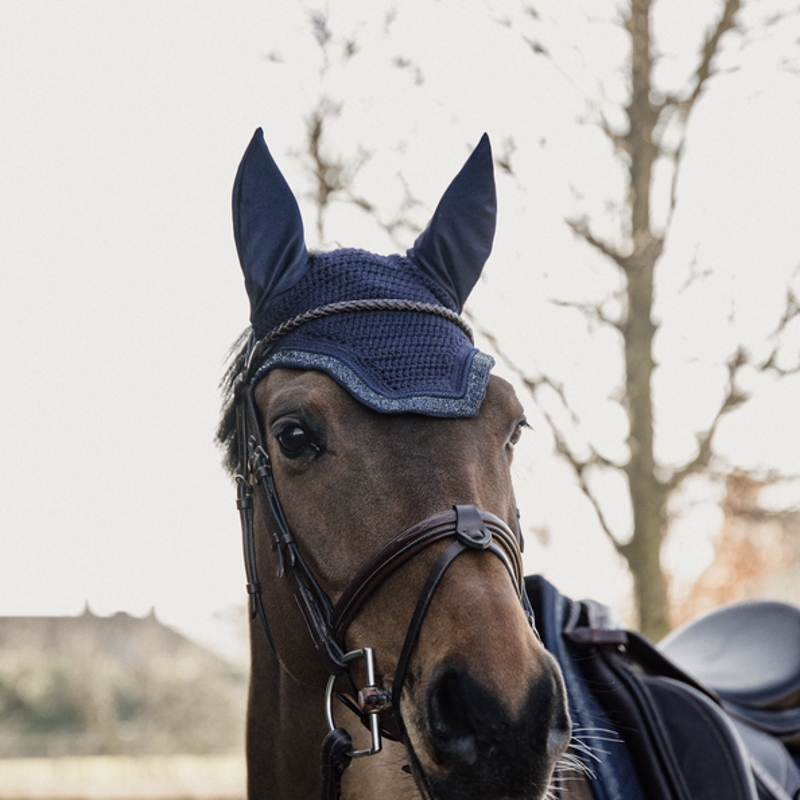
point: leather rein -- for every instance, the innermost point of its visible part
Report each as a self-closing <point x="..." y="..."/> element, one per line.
<point x="470" y="529"/>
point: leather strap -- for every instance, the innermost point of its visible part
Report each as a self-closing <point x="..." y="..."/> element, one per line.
<point x="335" y="760"/>
<point x="311" y="600"/>
<point x="426" y="595"/>
<point x="412" y="541"/>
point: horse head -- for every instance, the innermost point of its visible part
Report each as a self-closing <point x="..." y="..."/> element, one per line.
<point x="372" y="449"/>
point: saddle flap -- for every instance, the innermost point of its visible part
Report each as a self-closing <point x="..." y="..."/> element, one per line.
<point x="683" y="744"/>
<point x="713" y="762"/>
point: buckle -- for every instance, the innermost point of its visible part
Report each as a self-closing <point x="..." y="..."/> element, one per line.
<point x="374" y="721"/>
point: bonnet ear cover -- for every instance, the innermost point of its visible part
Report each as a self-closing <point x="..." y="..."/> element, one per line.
<point x="400" y="354"/>
<point x="267" y="227"/>
<point x="454" y="247"/>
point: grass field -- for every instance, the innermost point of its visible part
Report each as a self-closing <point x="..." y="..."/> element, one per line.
<point x="123" y="778"/>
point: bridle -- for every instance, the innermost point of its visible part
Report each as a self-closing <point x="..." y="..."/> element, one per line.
<point x="469" y="528"/>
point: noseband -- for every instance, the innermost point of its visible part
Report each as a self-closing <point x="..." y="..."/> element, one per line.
<point x="469" y="528"/>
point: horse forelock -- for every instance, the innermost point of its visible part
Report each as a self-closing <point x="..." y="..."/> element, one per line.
<point x="226" y="428"/>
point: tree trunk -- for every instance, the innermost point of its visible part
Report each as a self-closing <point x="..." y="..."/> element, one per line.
<point x="648" y="498"/>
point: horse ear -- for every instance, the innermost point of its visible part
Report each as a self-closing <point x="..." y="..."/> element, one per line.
<point x="267" y="227"/>
<point x="454" y="247"/>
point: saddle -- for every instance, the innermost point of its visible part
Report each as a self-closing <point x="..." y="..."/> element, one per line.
<point x="749" y="653"/>
<point x="712" y="713"/>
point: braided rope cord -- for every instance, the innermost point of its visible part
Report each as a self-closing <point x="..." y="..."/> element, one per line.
<point x="352" y="306"/>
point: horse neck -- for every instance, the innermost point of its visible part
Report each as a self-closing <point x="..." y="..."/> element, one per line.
<point x="285" y="728"/>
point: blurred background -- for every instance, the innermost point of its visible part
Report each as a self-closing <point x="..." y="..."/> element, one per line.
<point x="649" y="189"/>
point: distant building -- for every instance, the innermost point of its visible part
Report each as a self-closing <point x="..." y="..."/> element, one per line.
<point x="90" y="685"/>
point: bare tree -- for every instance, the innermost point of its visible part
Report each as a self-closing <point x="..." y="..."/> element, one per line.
<point x="650" y="117"/>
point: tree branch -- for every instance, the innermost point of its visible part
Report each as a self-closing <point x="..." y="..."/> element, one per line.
<point x="592" y="311"/>
<point x="725" y="23"/>
<point x="531" y="384"/>
<point x="397" y="223"/>
<point x="790" y="312"/>
<point x="579" y="465"/>
<point x="675" y="157"/>
<point x="734" y="397"/>
<point x="581" y="228"/>
<point x="673" y="103"/>
<point x="621" y="144"/>
<point x="327" y="172"/>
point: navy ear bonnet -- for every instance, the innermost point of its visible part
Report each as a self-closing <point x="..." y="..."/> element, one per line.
<point x="407" y="357"/>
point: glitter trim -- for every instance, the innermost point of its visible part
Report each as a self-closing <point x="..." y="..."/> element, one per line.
<point x="467" y="405"/>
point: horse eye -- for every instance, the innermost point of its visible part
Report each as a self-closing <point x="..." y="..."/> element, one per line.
<point x="516" y="434"/>
<point x="296" y="442"/>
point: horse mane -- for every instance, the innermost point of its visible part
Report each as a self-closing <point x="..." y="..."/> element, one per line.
<point x="226" y="437"/>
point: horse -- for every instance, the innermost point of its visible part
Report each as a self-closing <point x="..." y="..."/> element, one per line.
<point x="371" y="447"/>
<point x="394" y="652"/>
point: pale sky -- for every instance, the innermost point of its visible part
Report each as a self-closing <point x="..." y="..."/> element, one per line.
<point x="121" y="127"/>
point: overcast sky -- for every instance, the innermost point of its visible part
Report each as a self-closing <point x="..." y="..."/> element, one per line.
<point x="122" y="125"/>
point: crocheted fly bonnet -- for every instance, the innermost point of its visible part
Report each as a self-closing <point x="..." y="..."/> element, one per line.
<point x="386" y="328"/>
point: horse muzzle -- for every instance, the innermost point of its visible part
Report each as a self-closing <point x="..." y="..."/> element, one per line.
<point x="477" y="748"/>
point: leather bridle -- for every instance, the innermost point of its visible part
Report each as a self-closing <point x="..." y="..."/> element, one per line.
<point x="469" y="528"/>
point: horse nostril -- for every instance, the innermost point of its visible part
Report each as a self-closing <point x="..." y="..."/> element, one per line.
<point x="480" y="747"/>
<point x="452" y="703"/>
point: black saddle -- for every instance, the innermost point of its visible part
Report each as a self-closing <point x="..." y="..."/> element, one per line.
<point x="749" y="654"/>
<point x="708" y="717"/>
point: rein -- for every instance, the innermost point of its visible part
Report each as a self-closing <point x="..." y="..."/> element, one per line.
<point x="470" y="528"/>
